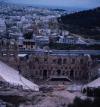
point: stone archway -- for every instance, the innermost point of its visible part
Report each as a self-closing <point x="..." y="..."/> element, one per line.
<point x="45" y="75"/>
<point x="58" y="72"/>
<point x="72" y="73"/>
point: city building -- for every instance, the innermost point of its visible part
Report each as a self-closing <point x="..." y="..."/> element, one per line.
<point x="29" y="44"/>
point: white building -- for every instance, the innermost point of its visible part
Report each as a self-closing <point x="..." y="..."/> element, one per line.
<point x="41" y="40"/>
<point x="67" y="40"/>
<point x="71" y="40"/>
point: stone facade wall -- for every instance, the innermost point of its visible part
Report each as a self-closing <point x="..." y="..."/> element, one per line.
<point x="44" y="66"/>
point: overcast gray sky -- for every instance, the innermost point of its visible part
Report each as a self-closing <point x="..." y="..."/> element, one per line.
<point x="61" y="3"/>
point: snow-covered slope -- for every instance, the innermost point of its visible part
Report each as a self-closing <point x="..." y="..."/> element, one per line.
<point x="12" y="76"/>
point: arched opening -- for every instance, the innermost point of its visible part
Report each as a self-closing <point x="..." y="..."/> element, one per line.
<point x="59" y="61"/>
<point x="45" y="74"/>
<point x="63" y="73"/>
<point x="71" y="74"/>
<point x="58" y="72"/>
<point x="64" y="61"/>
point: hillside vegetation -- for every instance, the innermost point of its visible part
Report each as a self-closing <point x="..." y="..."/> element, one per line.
<point x="85" y="23"/>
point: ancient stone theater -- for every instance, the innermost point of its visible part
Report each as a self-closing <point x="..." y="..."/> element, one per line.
<point x="74" y="66"/>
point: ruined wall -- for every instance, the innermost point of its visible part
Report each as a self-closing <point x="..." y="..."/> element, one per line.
<point x="75" y="67"/>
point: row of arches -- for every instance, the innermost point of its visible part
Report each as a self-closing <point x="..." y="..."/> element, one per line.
<point x="59" y="61"/>
<point x="59" y="73"/>
<point x="72" y="74"/>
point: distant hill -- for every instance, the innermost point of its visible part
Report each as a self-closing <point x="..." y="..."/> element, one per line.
<point x="86" y="23"/>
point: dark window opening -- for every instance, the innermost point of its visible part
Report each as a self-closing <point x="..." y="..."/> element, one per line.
<point x="73" y="61"/>
<point x="64" y="61"/>
<point x="45" y="74"/>
<point x="45" y="59"/>
<point x="81" y="61"/>
<point x="72" y="74"/>
<point x="65" y="67"/>
<point x="58" y="72"/>
<point x="36" y="60"/>
<point x="54" y="60"/>
<point x="59" y="61"/>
